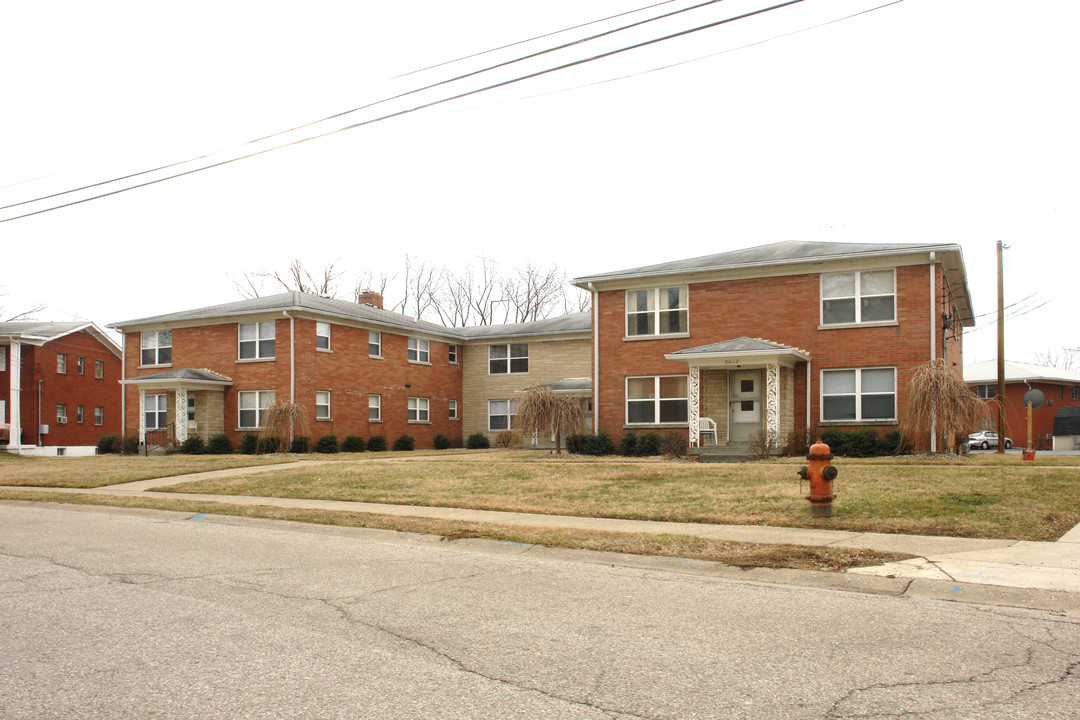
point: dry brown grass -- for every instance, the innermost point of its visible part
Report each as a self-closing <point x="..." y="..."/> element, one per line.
<point x="938" y="497"/>
<point x="744" y="555"/>
<point x="100" y="470"/>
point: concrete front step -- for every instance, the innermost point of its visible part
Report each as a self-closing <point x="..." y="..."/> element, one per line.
<point x="730" y="452"/>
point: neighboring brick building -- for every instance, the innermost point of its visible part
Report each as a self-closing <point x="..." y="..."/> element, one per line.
<point x="1061" y="388"/>
<point x="782" y="337"/>
<point x="58" y="387"/>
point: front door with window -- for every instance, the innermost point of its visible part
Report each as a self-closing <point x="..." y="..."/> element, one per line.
<point x="744" y="404"/>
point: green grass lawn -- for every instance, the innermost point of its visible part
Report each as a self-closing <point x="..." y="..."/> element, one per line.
<point x="100" y="470"/>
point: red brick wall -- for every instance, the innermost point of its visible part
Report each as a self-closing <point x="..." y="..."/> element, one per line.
<point x="346" y="371"/>
<point x="785" y="310"/>
<point x="70" y="388"/>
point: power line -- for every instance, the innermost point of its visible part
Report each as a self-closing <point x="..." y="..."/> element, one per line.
<point x="362" y="107"/>
<point x="402" y="112"/>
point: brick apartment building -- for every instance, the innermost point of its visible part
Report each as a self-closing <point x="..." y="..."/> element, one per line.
<point x="1060" y="387"/>
<point x="782" y="337"/>
<point x="58" y="387"/>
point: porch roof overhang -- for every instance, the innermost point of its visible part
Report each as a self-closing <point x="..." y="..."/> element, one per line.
<point x="740" y="352"/>
<point x="180" y="379"/>
<point x="567" y="386"/>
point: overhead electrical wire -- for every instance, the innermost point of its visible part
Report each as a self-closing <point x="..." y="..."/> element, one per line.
<point x="399" y="113"/>
<point x="372" y="104"/>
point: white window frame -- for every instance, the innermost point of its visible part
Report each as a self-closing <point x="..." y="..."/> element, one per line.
<point x="191" y="406"/>
<point x="857" y="297"/>
<point x="374" y="402"/>
<point x="322" y="333"/>
<point x="80" y="413"/>
<point x="1076" y="392"/>
<point x="374" y="337"/>
<point x="260" y="338"/>
<point x="452" y="409"/>
<point x="3" y="364"/>
<point x="655" y="399"/>
<point x="99" y="369"/>
<point x="858" y="394"/>
<point x="324" y="396"/>
<point x="509" y="358"/>
<point x="657" y="294"/>
<point x="419" y="410"/>
<point x="510" y="414"/>
<point x="80" y="364"/>
<point x="454" y="353"/>
<point x="155" y="342"/>
<point x="419" y="351"/>
<point x="263" y="400"/>
<point x="61" y="363"/>
<point x="99" y="415"/>
<point x="61" y="413"/>
<point x="986" y="391"/>
<point x="157" y="405"/>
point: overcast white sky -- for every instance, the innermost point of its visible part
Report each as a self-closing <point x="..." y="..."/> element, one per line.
<point x="925" y="121"/>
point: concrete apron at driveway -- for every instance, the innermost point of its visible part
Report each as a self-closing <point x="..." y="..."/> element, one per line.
<point x="1051" y="566"/>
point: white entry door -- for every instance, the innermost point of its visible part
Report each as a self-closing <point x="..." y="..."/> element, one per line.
<point x="744" y="404"/>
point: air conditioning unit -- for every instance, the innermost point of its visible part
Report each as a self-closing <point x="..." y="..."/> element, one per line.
<point x="62" y="420"/>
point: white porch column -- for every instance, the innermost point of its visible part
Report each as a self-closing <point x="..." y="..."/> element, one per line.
<point x="15" y="397"/>
<point x="694" y="388"/>
<point x="181" y="415"/>
<point x="142" y="416"/>
<point x="772" y="401"/>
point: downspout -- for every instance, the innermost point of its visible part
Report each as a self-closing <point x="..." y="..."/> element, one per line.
<point x="595" y="359"/>
<point x="123" y="386"/>
<point x="933" y="341"/>
<point x="39" y="384"/>
<point x="292" y="367"/>
<point x="15" y="396"/>
<point x="808" y="376"/>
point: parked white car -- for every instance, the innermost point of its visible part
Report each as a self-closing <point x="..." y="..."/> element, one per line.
<point x="984" y="439"/>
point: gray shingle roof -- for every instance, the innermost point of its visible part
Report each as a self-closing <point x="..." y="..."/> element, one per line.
<point x="569" y="385"/>
<point x="562" y="325"/>
<point x="40" y="329"/>
<point x="780" y="253"/>
<point x="186" y="374"/>
<point x="740" y="344"/>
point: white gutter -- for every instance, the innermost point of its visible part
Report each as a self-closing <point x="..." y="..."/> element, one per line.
<point x="596" y="359"/>
<point x="933" y="341"/>
<point x="15" y="375"/>
<point x="808" y="376"/>
<point x="292" y="365"/>
<point x="123" y="385"/>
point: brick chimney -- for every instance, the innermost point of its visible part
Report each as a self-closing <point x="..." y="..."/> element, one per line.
<point x="370" y="297"/>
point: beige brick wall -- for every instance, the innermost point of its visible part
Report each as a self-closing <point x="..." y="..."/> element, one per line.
<point x="549" y="360"/>
<point x="714" y="404"/>
<point x="787" y="402"/>
<point x="209" y="412"/>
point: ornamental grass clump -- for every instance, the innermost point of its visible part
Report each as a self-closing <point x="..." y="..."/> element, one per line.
<point x="281" y="420"/>
<point x="542" y="412"/>
<point x="940" y="403"/>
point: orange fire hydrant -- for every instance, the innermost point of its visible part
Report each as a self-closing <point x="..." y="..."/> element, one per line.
<point x="821" y="474"/>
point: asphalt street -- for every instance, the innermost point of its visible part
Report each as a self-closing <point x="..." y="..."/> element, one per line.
<point x="113" y="613"/>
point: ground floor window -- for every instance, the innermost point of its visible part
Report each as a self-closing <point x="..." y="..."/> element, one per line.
<point x="157" y="411"/>
<point x="322" y="404"/>
<point x="858" y="394"/>
<point x="656" y="399"/>
<point x="419" y="409"/>
<point x="501" y="414"/>
<point x="453" y="410"/>
<point x="253" y="405"/>
<point x="374" y="405"/>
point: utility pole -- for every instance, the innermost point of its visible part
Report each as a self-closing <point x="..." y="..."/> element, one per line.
<point x="1001" y="353"/>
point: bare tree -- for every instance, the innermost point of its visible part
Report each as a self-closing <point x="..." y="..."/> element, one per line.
<point x="296" y="278"/>
<point x="422" y="283"/>
<point x="576" y="300"/>
<point x="1065" y="358"/>
<point x="533" y="292"/>
<point x="27" y="314"/>
<point x="366" y="281"/>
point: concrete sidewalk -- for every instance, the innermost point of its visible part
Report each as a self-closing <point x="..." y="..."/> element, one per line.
<point x="1048" y="566"/>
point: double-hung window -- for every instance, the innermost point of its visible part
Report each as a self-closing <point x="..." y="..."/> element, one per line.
<point x="3" y="363"/>
<point x="374" y="408"/>
<point x="257" y="341"/>
<point x="1076" y="392"/>
<point x="374" y="343"/>
<point x="419" y="350"/>
<point x="858" y="394"/>
<point x="657" y="311"/>
<point x="453" y="352"/>
<point x="156" y="348"/>
<point x="80" y="364"/>
<point x="99" y="369"/>
<point x="253" y="405"/>
<point x="858" y="297"/>
<point x="501" y="414"/>
<point x="79" y="413"/>
<point x="61" y="413"/>
<point x="322" y="336"/>
<point x="508" y="358"/>
<point x="322" y="404"/>
<point x="61" y="363"/>
<point x="656" y="399"/>
<point x="156" y="413"/>
<point x="99" y="415"/>
<point x="419" y="409"/>
<point x="452" y="412"/>
<point x="986" y="391"/>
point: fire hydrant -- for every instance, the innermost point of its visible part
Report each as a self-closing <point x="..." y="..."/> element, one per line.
<point x="821" y="474"/>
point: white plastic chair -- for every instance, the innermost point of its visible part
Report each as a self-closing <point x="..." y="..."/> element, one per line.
<point x="707" y="427"/>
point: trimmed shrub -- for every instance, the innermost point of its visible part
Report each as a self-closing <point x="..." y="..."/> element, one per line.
<point x="893" y="443"/>
<point x="249" y="443"/>
<point x="327" y="444"/>
<point x="194" y="445"/>
<point x="442" y="442"/>
<point x="506" y="438"/>
<point x="219" y="445"/>
<point x="648" y="444"/>
<point x="478" y="441"/>
<point x="575" y="444"/>
<point x="673" y="444"/>
<point x="836" y="440"/>
<point x="300" y="445"/>
<point x="404" y="443"/>
<point x="599" y="444"/>
<point x="271" y="444"/>
<point x="353" y="444"/>
<point x="376" y="443"/>
<point x="107" y="444"/>
<point x="130" y="444"/>
<point x="628" y="444"/>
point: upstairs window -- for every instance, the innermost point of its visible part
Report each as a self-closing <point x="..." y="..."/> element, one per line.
<point x="61" y="363"/>
<point x="99" y="369"/>
<point x="858" y="394"/>
<point x="61" y="413"/>
<point x="256" y="342"/>
<point x="80" y="364"/>
<point x="156" y="347"/>
<point x="99" y="415"/>
<point x="78" y="413"/>
<point x="1076" y="392"/>
<point x="454" y="349"/>
<point x="322" y="336"/>
<point x="374" y="343"/>
<point x="419" y="350"/>
<point x="858" y="297"/>
<point x="3" y="363"/>
<point x="657" y="311"/>
<point x="509" y="358"/>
